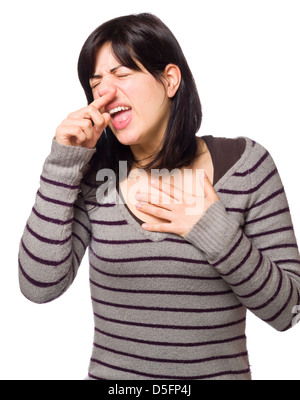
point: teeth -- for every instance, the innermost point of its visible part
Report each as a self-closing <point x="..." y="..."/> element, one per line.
<point x="118" y="109"/>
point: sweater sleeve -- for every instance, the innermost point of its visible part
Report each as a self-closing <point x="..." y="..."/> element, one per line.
<point x="58" y="229"/>
<point x="259" y="260"/>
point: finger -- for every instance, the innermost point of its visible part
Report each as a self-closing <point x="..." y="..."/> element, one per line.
<point x="100" y="121"/>
<point x="157" y="198"/>
<point x="155" y="211"/>
<point x="77" y="125"/>
<point x="84" y="124"/>
<point x="73" y="134"/>
<point x="161" y="227"/>
<point x="97" y="104"/>
<point x="105" y="99"/>
<point x="93" y="123"/>
<point x="168" y="189"/>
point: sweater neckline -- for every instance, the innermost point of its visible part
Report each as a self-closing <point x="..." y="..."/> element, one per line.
<point x="130" y="219"/>
<point x="242" y="160"/>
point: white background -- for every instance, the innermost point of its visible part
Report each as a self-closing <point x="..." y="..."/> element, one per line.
<point x="246" y="61"/>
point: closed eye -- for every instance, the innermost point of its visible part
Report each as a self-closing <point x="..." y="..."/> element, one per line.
<point x="95" y="84"/>
<point x="94" y="87"/>
<point x="114" y="71"/>
<point x="118" y="76"/>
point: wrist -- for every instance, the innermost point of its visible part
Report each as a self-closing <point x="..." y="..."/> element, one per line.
<point x="66" y="163"/>
<point x="214" y="232"/>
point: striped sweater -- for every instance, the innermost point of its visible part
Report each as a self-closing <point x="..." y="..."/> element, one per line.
<point x="166" y="307"/>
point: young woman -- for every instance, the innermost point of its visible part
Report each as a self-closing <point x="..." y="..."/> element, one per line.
<point x="185" y="233"/>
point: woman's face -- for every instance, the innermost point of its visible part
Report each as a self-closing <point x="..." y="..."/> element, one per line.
<point x="141" y="107"/>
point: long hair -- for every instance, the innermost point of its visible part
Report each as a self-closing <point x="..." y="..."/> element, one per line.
<point x="146" y="39"/>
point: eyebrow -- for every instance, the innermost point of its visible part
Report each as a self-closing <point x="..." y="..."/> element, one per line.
<point x="113" y="70"/>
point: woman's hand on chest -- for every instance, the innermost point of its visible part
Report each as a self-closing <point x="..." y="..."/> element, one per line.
<point x="180" y="207"/>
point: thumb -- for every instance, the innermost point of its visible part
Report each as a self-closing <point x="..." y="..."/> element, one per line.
<point x="107" y="118"/>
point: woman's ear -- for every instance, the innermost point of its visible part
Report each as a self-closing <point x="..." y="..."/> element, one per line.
<point x="172" y="74"/>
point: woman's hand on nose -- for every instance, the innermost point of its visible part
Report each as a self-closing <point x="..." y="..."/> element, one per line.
<point x="84" y="127"/>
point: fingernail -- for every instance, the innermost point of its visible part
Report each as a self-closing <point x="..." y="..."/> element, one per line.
<point x="153" y="182"/>
<point x="138" y="196"/>
<point x="139" y="206"/>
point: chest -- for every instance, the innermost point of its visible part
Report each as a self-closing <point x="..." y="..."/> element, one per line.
<point x="186" y="180"/>
<point x="122" y="247"/>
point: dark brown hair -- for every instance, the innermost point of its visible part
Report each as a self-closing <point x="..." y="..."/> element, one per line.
<point x="145" y="38"/>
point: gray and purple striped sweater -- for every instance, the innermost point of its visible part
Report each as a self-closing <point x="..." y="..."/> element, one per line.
<point x="166" y="307"/>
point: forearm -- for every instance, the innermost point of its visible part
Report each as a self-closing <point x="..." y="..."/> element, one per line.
<point x="54" y="239"/>
<point x="270" y="290"/>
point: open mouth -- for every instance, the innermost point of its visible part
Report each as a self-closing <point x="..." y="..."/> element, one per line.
<point x="121" y="116"/>
<point x="117" y="110"/>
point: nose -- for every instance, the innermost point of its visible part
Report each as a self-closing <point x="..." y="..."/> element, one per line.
<point x="107" y="85"/>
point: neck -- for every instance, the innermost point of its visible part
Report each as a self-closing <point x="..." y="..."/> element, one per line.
<point x="145" y="153"/>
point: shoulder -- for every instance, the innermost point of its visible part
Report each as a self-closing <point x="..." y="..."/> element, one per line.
<point x="257" y="155"/>
<point x="242" y="156"/>
<point x="225" y="153"/>
<point x="258" y="164"/>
